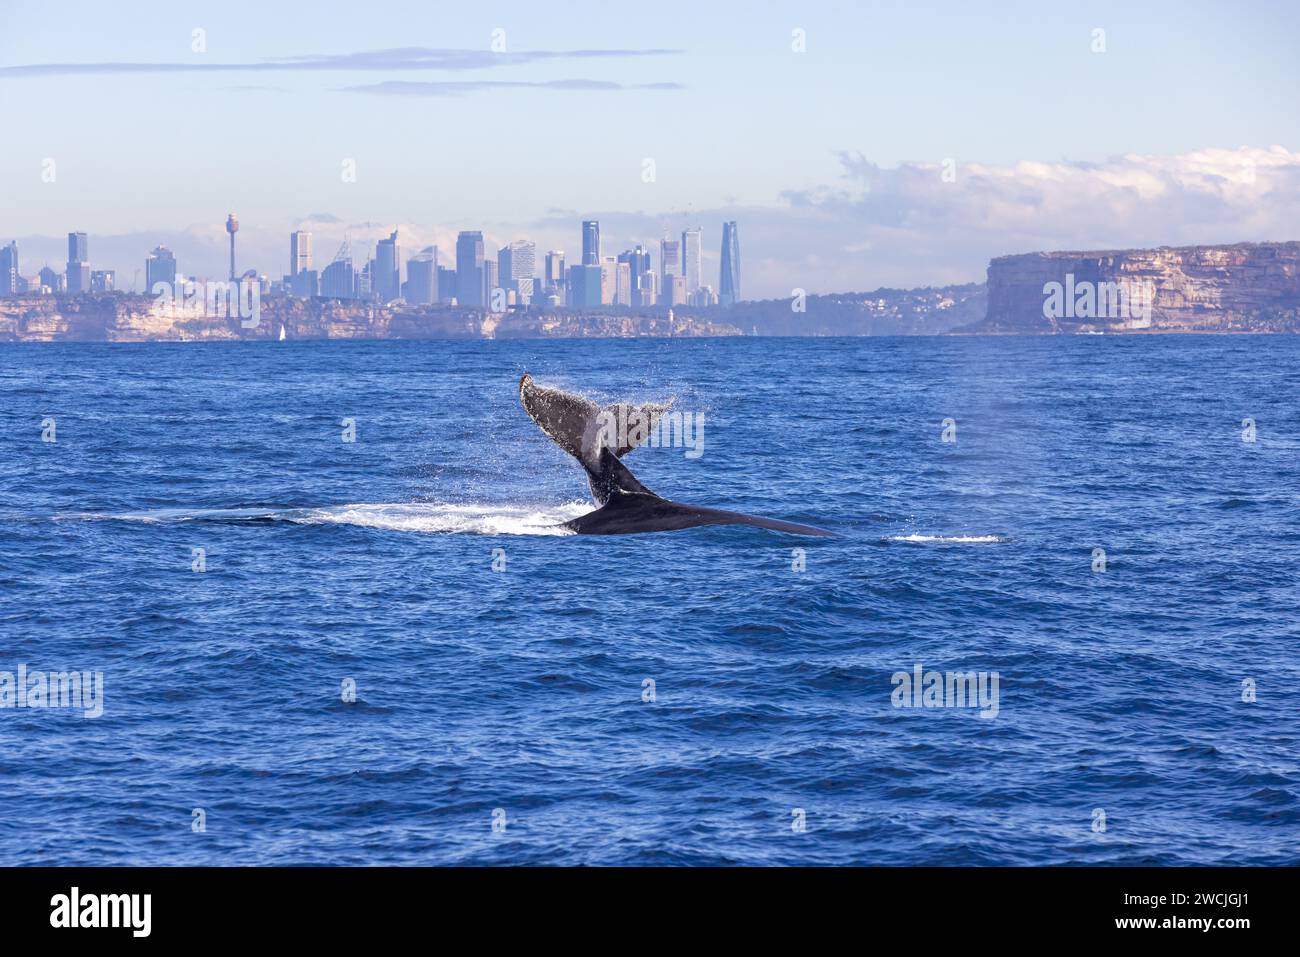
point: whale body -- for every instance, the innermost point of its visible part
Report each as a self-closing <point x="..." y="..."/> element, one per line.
<point x="626" y="506"/>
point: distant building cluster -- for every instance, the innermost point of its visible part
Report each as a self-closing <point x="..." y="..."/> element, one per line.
<point x="515" y="278"/>
<point x="77" y="278"/>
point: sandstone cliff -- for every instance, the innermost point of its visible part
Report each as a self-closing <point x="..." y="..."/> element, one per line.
<point x="1247" y="287"/>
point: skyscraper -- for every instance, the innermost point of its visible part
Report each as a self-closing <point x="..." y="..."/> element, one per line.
<point x="422" y="277"/>
<point x="9" y="269"/>
<point x="387" y="274"/>
<point x="78" y="264"/>
<point x="517" y="263"/>
<point x="339" y="280"/>
<point x="446" y="287"/>
<point x="584" y="286"/>
<point x="729" y="280"/>
<point x="608" y="277"/>
<point x="491" y="282"/>
<point x="305" y="285"/>
<point x="590" y="242"/>
<point x="555" y="267"/>
<point x="469" y="268"/>
<point x="670" y="259"/>
<point x="691" y="239"/>
<point x="648" y="292"/>
<point x="160" y="267"/>
<point x="299" y="252"/>
<point x="623" y="284"/>
<point x="103" y="280"/>
<point x="638" y="261"/>
<point x="553" y="279"/>
<point x="674" y="290"/>
<point x="365" y="279"/>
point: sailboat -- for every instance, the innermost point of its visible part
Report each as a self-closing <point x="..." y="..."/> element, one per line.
<point x="282" y="332"/>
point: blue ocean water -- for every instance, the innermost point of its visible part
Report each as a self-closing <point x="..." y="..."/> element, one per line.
<point x="519" y="696"/>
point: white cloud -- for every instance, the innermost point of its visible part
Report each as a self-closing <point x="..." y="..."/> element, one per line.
<point x="903" y="226"/>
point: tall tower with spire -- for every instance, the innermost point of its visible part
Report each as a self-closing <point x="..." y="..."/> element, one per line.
<point x="232" y="227"/>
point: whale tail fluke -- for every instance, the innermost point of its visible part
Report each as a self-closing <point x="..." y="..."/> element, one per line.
<point x="570" y="420"/>
<point x="582" y="429"/>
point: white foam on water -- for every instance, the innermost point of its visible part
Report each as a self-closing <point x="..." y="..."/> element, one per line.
<point x="442" y="517"/>
<point x="399" y="517"/>
<point x="949" y="539"/>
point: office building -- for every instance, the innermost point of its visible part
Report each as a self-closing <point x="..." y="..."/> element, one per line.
<point x="516" y="265"/>
<point x="469" y="268"/>
<point x="623" y="284"/>
<point x="339" y="280"/>
<point x="584" y="286"/>
<point x="691" y="263"/>
<point x="704" y="296"/>
<point x="78" y="264"/>
<point x="366" y="281"/>
<point x="305" y="285"/>
<point x="608" y="275"/>
<point x="491" y="281"/>
<point x="386" y="275"/>
<point x="553" y="278"/>
<point x="78" y="278"/>
<point x="159" y="267"/>
<point x="647" y="293"/>
<point x="446" y="285"/>
<point x="590" y="242"/>
<point x="670" y="259"/>
<point x="299" y="252"/>
<point x="55" y="282"/>
<point x="674" y="291"/>
<point x="638" y="263"/>
<point x="9" y="269"/>
<point x="729" y="280"/>
<point x="422" y="277"/>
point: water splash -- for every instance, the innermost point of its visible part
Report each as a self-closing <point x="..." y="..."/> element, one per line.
<point x="429" y="517"/>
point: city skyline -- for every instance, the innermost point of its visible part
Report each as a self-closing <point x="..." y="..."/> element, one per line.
<point x="851" y="141"/>
<point x="628" y="279"/>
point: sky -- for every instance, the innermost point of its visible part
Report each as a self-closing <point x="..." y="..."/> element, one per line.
<point x="857" y="144"/>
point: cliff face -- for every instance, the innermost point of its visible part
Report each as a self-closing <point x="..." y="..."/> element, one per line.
<point x="1248" y="287"/>
<point x="124" y="318"/>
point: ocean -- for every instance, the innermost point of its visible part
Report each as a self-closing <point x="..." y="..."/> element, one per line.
<point x="383" y="651"/>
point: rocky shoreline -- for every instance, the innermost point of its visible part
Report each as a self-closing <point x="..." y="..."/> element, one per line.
<point x="1246" y="288"/>
<point x="121" y="317"/>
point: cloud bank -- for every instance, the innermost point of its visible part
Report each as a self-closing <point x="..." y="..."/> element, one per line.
<point x="903" y="226"/>
<point x="462" y="87"/>
<point x="911" y="225"/>
<point x="399" y="58"/>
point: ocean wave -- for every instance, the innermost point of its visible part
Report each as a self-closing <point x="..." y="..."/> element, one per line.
<point x="950" y="539"/>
